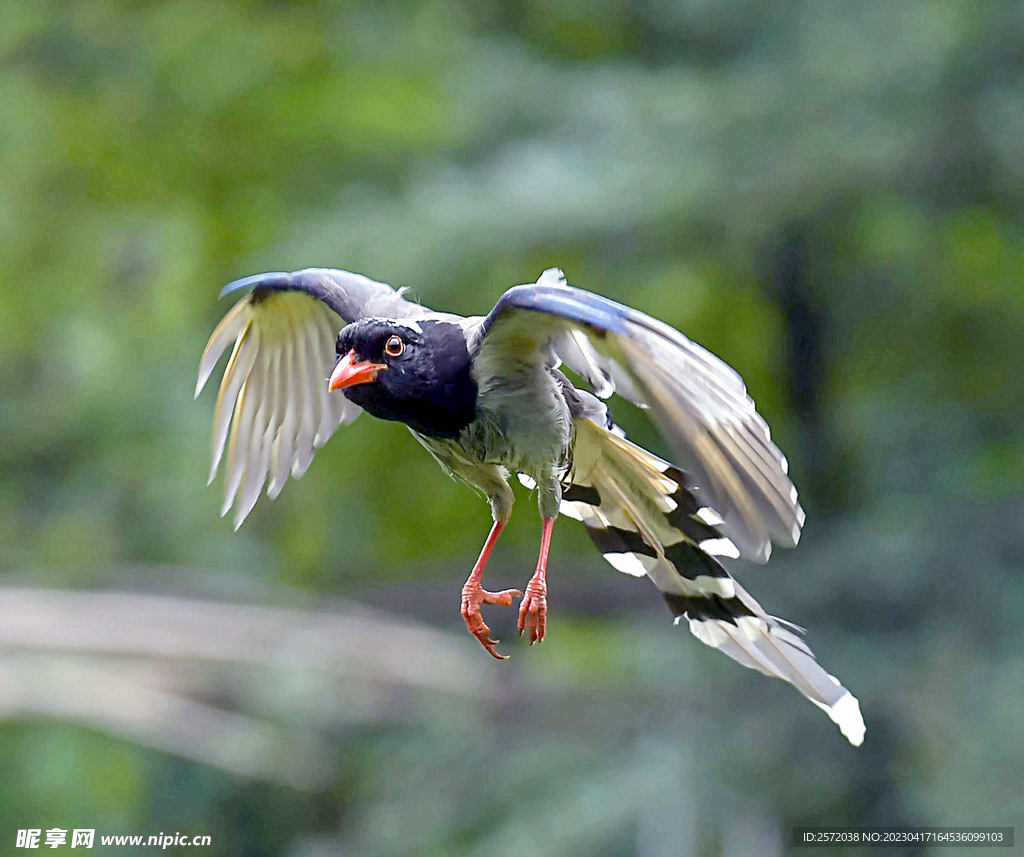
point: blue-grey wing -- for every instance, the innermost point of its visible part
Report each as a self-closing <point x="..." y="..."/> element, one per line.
<point x="273" y="408"/>
<point x="699" y="403"/>
<point x="351" y="296"/>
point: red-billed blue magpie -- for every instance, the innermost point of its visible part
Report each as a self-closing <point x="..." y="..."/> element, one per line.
<point x="486" y="397"/>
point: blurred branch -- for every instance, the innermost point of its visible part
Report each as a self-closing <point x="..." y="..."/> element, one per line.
<point x="99" y="695"/>
<point x="354" y="642"/>
<point x="131" y="665"/>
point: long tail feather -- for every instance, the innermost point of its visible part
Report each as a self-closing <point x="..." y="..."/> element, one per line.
<point x="647" y="518"/>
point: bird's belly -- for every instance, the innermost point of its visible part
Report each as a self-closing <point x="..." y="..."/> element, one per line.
<point x="522" y="429"/>
<point x="518" y="426"/>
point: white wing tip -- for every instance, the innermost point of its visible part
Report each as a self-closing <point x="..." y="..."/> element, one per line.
<point x="722" y="586"/>
<point x="845" y="713"/>
<point x="569" y="510"/>
<point x="709" y="516"/>
<point x="720" y="547"/>
<point x="552" y="277"/>
<point x="627" y="563"/>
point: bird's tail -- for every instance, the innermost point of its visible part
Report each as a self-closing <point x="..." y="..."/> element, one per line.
<point x="647" y="518"/>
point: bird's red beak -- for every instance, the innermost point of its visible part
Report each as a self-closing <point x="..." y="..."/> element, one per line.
<point x="350" y="372"/>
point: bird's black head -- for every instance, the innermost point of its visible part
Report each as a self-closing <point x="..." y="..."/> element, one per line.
<point x="416" y="372"/>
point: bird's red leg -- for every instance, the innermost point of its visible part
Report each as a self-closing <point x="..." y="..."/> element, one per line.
<point x="473" y="595"/>
<point x="533" y="612"/>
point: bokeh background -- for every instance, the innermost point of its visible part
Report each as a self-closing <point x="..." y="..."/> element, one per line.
<point x="828" y="195"/>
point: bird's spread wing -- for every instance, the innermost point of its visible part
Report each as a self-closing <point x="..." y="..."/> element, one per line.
<point x="273" y="408"/>
<point x="699" y="403"/>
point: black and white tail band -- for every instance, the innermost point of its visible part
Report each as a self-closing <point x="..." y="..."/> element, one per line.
<point x="647" y="519"/>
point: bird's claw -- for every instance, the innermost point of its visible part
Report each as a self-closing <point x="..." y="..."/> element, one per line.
<point x="472" y="598"/>
<point x="533" y="612"/>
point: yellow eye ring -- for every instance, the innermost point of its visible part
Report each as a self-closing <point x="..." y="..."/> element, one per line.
<point x="394" y="346"/>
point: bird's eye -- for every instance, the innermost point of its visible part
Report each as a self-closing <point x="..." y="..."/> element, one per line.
<point x="394" y="346"/>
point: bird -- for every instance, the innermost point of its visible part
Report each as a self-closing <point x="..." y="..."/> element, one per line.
<point x="488" y="398"/>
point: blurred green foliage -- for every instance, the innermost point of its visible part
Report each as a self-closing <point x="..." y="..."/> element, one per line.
<point x="827" y="195"/>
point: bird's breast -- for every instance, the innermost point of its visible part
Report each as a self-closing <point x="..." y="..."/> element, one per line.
<point x="522" y="422"/>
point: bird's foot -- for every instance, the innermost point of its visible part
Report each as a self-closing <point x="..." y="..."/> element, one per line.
<point x="473" y="595"/>
<point x="533" y="612"/>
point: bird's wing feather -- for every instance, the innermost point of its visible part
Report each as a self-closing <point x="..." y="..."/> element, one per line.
<point x="352" y="296"/>
<point x="698" y="402"/>
<point x="273" y="407"/>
